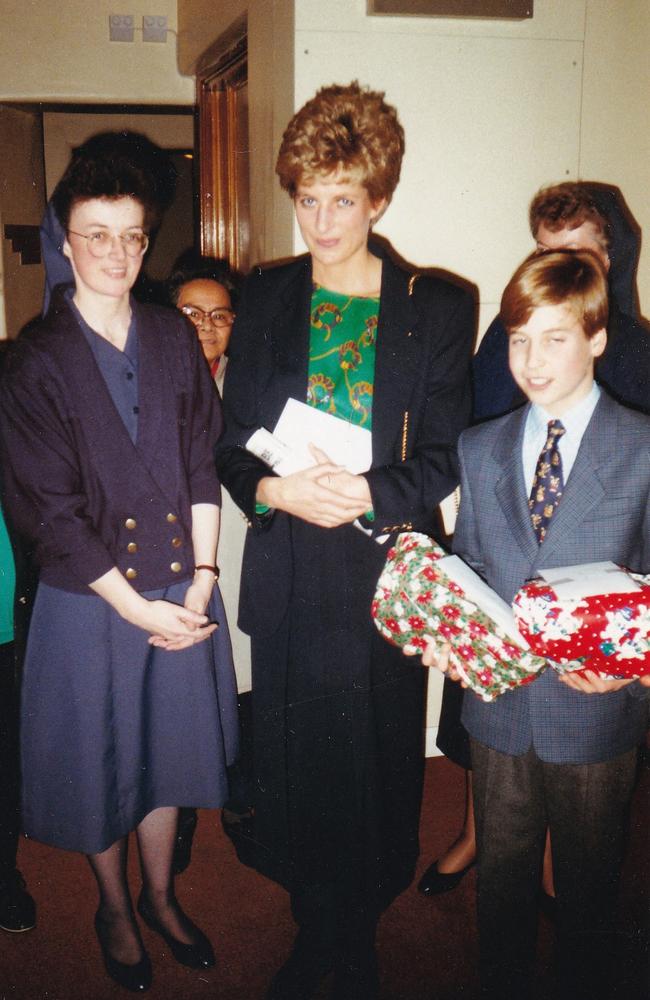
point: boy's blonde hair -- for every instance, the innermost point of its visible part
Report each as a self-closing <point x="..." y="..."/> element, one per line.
<point x="347" y="128"/>
<point x="572" y="278"/>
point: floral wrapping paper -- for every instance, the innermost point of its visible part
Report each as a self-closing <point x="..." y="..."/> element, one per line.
<point x="415" y="599"/>
<point x="608" y="633"/>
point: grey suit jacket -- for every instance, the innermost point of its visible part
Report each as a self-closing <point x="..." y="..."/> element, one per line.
<point x="604" y="514"/>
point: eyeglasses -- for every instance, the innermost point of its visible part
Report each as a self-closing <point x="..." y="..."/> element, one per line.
<point x="218" y="317"/>
<point x="100" y="242"/>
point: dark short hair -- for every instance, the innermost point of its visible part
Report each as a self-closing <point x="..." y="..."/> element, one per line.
<point x="572" y="278"/>
<point x="351" y="128"/>
<point x="115" y="165"/>
<point x="567" y="206"/>
<point x="191" y="266"/>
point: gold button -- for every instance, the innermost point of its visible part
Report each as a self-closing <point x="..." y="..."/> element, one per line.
<point x="175" y="567"/>
<point x="130" y="523"/>
<point x="172" y="518"/>
<point x="177" y="542"/>
<point x="132" y="547"/>
<point x="131" y="574"/>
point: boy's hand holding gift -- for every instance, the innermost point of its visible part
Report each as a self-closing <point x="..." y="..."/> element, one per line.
<point x="593" y="621"/>
<point x="431" y="603"/>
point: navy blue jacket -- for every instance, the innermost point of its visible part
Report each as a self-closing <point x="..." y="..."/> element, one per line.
<point x="75" y="484"/>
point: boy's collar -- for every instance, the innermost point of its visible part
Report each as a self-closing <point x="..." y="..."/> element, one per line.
<point x="576" y="415"/>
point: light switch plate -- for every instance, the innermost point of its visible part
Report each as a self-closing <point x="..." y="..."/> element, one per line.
<point x="154" y="28"/>
<point x="120" y="27"/>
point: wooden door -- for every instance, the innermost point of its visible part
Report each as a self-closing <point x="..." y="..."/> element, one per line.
<point x="222" y="97"/>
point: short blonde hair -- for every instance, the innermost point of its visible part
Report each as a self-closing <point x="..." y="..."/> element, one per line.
<point x="572" y="278"/>
<point x="348" y="128"/>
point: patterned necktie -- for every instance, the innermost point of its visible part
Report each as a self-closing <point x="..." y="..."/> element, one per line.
<point x="548" y="482"/>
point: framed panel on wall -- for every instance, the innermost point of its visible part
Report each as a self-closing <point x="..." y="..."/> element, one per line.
<point x="511" y="9"/>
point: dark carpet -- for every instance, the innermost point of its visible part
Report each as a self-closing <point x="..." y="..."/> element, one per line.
<point x="427" y="947"/>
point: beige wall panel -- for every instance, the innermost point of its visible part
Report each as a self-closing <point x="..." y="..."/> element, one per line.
<point x="487" y="121"/>
<point x="63" y="131"/>
<point x="615" y="132"/>
<point x="202" y="22"/>
<point x="271" y="104"/>
<point x="553" y="19"/>
<point x="21" y="203"/>
<point x="62" y="52"/>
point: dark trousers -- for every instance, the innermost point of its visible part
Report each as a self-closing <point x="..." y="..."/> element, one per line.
<point x="9" y="762"/>
<point x="585" y="806"/>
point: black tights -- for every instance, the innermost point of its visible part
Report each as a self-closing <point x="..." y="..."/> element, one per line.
<point x="156" y="835"/>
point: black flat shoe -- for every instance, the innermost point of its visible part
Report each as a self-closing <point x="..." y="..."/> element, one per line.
<point x="136" y="978"/>
<point x="303" y="972"/>
<point x="17" y="908"/>
<point x="434" y="882"/>
<point x="198" y="955"/>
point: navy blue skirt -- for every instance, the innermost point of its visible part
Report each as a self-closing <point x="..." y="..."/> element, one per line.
<point x="113" y="727"/>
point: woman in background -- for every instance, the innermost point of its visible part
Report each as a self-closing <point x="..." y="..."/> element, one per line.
<point x="109" y="418"/>
<point x="337" y="712"/>
<point x="203" y="289"/>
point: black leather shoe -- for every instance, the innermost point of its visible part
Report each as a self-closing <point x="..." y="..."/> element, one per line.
<point x="187" y="820"/>
<point x="198" y="955"/>
<point x="136" y="978"/>
<point x="17" y="908"/>
<point x="302" y="973"/>
<point x="434" y="882"/>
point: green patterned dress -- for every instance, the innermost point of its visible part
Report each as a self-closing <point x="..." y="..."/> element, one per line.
<point x="342" y="355"/>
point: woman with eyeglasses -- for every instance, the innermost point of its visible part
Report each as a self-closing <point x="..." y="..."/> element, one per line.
<point x="109" y="418"/>
<point x="203" y="289"/>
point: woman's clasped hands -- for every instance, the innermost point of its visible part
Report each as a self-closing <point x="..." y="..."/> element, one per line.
<point x="325" y="494"/>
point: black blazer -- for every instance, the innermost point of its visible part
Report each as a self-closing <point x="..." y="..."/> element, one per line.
<point x="75" y="484"/>
<point x="421" y="403"/>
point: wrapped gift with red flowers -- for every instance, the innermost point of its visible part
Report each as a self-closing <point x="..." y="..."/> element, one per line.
<point x="595" y="616"/>
<point x="424" y="592"/>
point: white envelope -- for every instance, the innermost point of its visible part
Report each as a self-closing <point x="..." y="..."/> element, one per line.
<point x="299" y="426"/>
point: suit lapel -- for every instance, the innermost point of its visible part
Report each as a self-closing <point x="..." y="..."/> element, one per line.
<point x="510" y="487"/>
<point x="288" y="330"/>
<point x="102" y="425"/>
<point x="397" y="362"/>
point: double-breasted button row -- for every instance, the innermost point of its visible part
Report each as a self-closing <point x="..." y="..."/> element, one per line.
<point x="131" y="524"/>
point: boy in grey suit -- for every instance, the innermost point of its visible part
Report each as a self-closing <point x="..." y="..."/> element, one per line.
<point x="562" y="481"/>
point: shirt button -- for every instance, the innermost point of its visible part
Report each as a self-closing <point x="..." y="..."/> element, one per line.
<point x="175" y="567"/>
<point x="131" y="574"/>
<point x="130" y="523"/>
<point x="132" y="547"/>
<point x="177" y="542"/>
<point x="129" y="375"/>
<point x="136" y="409"/>
<point x="172" y="518"/>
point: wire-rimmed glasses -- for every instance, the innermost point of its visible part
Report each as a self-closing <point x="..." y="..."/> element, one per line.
<point x="100" y="242"/>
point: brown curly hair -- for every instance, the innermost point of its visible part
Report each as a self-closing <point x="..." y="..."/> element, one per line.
<point x="567" y="206"/>
<point x="350" y="128"/>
